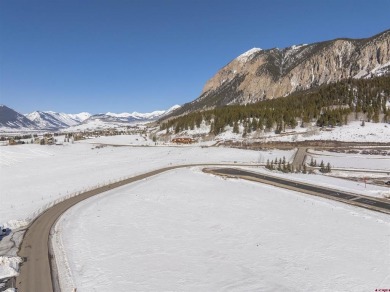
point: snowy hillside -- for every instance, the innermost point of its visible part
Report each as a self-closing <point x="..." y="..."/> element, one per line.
<point x="109" y="120"/>
<point x="51" y="120"/>
<point x="79" y="117"/>
<point x="143" y="116"/>
<point x="136" y="116"/>
<point x="11" y="120"/>
<point x="353" y="132"/>
<point x="248" y="55"/>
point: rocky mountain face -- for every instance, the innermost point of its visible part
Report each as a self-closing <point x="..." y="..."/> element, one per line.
<point x="265" y="74"/>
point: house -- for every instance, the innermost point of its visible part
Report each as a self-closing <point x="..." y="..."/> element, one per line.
<point x="183" y="140"/>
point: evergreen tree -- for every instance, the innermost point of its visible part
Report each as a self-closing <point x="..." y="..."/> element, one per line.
<point x="322" y="166"/>
<point x="328" y="167"/>
<point x="235" y="127"/>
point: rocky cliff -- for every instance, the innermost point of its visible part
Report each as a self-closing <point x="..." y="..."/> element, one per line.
<point x="265" y="74"/>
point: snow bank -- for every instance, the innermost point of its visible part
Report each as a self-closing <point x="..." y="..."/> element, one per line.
<point x="9" y="266"/>
<point x="62" y="265"/>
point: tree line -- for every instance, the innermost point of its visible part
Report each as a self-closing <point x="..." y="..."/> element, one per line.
<point x="328" y="106"/>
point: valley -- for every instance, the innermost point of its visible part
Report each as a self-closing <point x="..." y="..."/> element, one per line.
<point x="275" y="178"/>
<point x="71" y="169"/>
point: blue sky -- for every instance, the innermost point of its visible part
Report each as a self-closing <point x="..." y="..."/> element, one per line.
<point x="143" y="55"/>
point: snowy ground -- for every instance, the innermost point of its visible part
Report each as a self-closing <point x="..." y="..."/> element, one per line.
<point x="32" y="176"/>
<point x="197" y="232"/>
<point x="353" y="132"/>
<point x="133" y="140"/>
<point x="346" y="160"/>
<point x="9" y="266"/>
<point x="329" y="181"/>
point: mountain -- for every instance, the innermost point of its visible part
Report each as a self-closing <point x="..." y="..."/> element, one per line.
<point x="12" y="120"/>
<point x="128" y="118"/>
<point x="50" y="120"/>
<point x="258" y="74"/>
<point x="135" y="116"/>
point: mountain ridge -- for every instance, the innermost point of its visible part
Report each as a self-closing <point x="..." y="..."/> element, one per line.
<point x="13" y="120"/>
<point x="54" y="121"/>
<point x="259" y="74"/>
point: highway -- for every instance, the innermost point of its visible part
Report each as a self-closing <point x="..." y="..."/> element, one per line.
<point x="36" y="274"/>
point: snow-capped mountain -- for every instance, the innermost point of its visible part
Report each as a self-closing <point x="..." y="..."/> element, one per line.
<point x="12" y="120"/>
<point x="130" y="118"/>
<point x="53" y="121"/>
<point x="79" y="117"/>
<point x="50" y="120"/>
<point x="143" y="116"/>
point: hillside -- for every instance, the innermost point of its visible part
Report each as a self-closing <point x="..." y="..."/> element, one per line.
<point x="12" y="120"/>
<point x="54" y="121"/>
<point x="259" y="75"/>
<point x="330" y="105"/>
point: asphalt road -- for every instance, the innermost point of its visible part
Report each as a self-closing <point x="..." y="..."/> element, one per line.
<point x="299" y="158"/>
<point x="375" y="204"/>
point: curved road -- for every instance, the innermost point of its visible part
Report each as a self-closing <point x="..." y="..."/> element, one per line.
<point x="35" y="271"/>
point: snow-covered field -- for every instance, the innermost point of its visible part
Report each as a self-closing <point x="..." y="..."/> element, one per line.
<point x="33" y="177"/>
<point x="346" y="160"/>
<point x="328" y="181"/>
<point x="197" y="232"/>
<point x="353" y="132"/>
<point x="131" y="140"/>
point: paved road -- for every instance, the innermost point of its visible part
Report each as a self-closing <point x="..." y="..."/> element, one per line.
<point x="375" y="204"/>
<point x="299" y="158"/>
